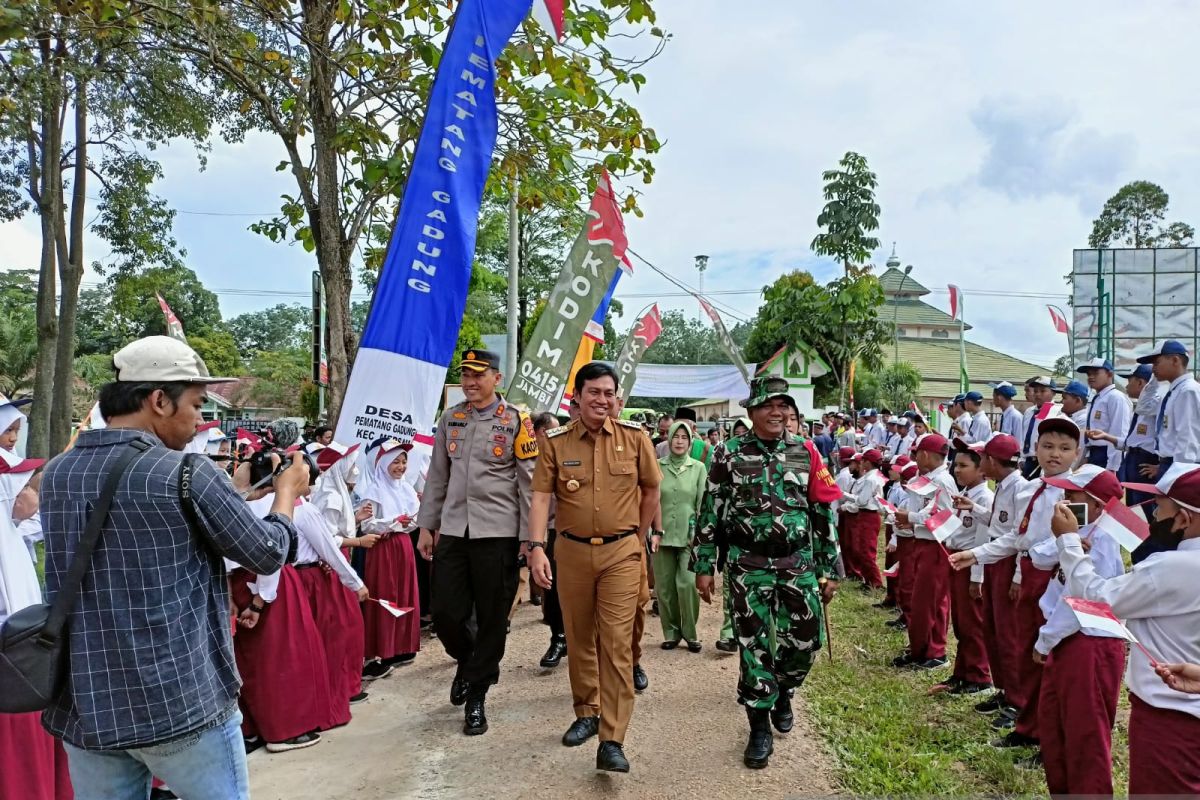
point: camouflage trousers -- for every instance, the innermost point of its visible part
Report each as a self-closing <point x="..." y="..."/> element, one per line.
<point x="785" y="602"/>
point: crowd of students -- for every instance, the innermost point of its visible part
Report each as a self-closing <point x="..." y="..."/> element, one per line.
<point x="996" y="534"/>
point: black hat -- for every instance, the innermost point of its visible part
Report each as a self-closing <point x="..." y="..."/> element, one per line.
<point x="480" y="360"/>
<point x="688" y="414"/>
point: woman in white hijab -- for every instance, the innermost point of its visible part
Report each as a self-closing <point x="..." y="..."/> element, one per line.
<point x="332" y="495"/>
<point x="10" y="423"/>
<point x="391" y="572"/>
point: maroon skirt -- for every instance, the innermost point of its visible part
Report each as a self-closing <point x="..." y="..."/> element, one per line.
<point x="391" y="575"/>
<point x="33" y="764"/>
<point x="338" y="617"/>
<point x="285" y="677"/>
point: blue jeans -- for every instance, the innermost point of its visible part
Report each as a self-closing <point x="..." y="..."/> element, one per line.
<point x="200" y="766"/>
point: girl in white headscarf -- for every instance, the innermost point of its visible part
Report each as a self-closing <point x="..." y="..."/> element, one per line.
<point x="391" y="572"/>
<point x="333" y="495"/>
<point x="10" y="425"/>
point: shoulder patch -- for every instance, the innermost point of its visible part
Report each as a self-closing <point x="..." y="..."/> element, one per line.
<point x="628" y="423"/>
<point x="559" y="431"/>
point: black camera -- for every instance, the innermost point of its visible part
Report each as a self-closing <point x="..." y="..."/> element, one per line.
<point x="264" y="467"/>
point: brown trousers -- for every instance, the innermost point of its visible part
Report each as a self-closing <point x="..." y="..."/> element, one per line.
<point x="598" y="589"/>
<point x="639" y="617"/>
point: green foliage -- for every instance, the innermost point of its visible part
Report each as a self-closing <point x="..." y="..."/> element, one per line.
<point x="95" y="370"/>
<point x="219" y="351"/>
<point x="850" y="213"/>
<point x="286" y="326"/>
<point x="280" y="379"/>
<point x="125" y="308"/>
<point x="893" y="386"/>
<point x="1133" y="217"/>
<point x="469" y="337"/>
<point x="18" y="350"/>
<point x="18" y="290"/>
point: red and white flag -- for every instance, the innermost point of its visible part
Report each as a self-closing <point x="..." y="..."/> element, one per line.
<point x="1123" y="524"/>
<point x="891" y="509"/>
<point x="393" y="609"/>
<point x="922" y="486"/>
<point x="1048" y="410"/>
<point x="955" y="301"/>
<point x="912" y="405"/>
<point x="549" y="14"/>
<point x="1094" y="614"/>
<point x="943" y="524"/>
<point x="1060" y="322"/>
<point x="174" y="326"/>
<point x="892" y="571"/>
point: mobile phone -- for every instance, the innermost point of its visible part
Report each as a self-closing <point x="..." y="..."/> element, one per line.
<point x="1080" y="510"/>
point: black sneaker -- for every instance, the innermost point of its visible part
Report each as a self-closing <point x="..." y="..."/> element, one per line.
<point x="295" y="743"/>
<point x="640" y="681"/>
<point x="966" y="687"/>
<point x="400" y="660"/>
<point x="884" y="604"/>
<point x="358" y="698"/>
<point x="1014" y="739"/>
<point x="376" y="670"/>
<point x="253" y="743"/>
<point x="727" y="645"/>
<point x="992" y="704"/>
<point x="897" y="624"/>
<point x="930" y="663"/>
<point x="903" y="661"/>
<point x="1006" y="719"/>
<point x="948" y="686"/>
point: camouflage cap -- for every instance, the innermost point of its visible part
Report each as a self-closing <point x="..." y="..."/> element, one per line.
<point x="767" y="387"/>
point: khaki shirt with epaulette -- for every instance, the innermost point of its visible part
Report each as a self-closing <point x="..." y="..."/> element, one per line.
<point x="480" y="472"/>
<point x="597" y="478"/>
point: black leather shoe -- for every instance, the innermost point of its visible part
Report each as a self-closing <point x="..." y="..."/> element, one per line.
<point x="694" y="647"/>
<point x="640" y="681"/>
<point x="555" y="652"/>
<point x="781" y="715"/>
<point x="582" y="729"/>
<point x="611" y="758"/>
<point x="761" y="743"/>
<point x="727" y="645"/>
<point x="475" y="721"/>
<point x="458" y="691"/>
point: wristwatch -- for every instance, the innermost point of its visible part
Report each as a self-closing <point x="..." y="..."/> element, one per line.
<point x="533" y="544"/>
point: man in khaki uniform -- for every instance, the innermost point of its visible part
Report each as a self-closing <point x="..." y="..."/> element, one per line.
<point x="477" y="495"/>
<point x="604" y="476"/>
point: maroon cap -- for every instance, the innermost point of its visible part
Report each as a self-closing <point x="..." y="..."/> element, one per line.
<point x="909" y="471"/>
<point x="845" y="453"/>
<point x="962" y="446"/>
<point x="930" y="443"/>
<point x="901" y="461"/>
<point x="1002" y="447"/>
<point x="874" y="456"/>
<point x="1099" y="483"/>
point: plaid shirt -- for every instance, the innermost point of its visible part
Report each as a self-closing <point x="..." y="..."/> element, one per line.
<point x="151" y="656"/>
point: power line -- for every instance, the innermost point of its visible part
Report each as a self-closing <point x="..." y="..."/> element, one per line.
<point x="688" y="289"/>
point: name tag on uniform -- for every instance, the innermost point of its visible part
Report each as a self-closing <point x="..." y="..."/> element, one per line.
<point x="499" y="438"/>
<point x="1142" y="429"/>
<point x="1097" y="415"/>
<point x="572" y="463"/>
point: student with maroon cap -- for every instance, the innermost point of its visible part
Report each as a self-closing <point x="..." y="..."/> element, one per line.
<point x="1081" y="674"/>
<point x="1160" y="604"/>
<point x="903" y="540"/>
<point x="929" y="617"/>
<point x="861" y="505"/>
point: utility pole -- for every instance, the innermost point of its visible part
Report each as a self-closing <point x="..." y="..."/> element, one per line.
<point x="701" y="266"/>
<point x="514" y="277"/>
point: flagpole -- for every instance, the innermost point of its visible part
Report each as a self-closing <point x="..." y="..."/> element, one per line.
<point x="962" y="344"/>
<point x="514" y="276"/>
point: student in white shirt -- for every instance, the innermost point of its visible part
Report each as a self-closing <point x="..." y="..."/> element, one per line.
<point x="893" y="492"/>
<point x="1011" y="422"/>
<point x="1160" y="604"/>
<point x="1108" y="411"/>
<point x="979" y="427"/>
<point x="971" y="673"/>
<point x="907" y="435"/>
<point x="1075" y="405"/>
<point x="861" y="505"/>
<point x="1039" y="390"/>
<point x="1081" y="675"/>
<point x="959" y="421"/>
<point x="874" y="430"/>
<point x="1177" y="434"/>
<point x="1058" y="448"/>
<point x="1136" y="442"/>
<point x="845" y="481"/>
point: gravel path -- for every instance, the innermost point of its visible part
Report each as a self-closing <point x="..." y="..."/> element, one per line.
<point x="686" y="737"/>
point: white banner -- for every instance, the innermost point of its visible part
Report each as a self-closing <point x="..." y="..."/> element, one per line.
<point x="723" y="381"/>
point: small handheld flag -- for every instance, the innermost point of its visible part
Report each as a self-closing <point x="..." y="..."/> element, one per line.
<point x="1100" y="616"/>
<point x="393" y="609"/>
<point x="1123" y="524"/>
<point x="922" y="486"/>
<point x="943" y="524"/>
<point x="893" y="571"/>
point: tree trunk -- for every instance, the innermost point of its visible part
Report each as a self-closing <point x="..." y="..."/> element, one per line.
<point x="70" y="270"/>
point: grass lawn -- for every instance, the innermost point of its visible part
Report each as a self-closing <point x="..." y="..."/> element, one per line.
<point x="890" y="738"/>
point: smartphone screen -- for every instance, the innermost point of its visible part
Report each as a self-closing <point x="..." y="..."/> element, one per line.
<point x="1080" y="510"/>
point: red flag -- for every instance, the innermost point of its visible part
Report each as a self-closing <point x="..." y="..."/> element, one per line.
<point x="954" y="301"/>
<point x="913" y="406"/>
<point x="943" y="524"/>
<point x="892" y="571"/>
<point x="174" y="326"/>
<point x="1123" y="524"/>
<point x="549" y="14"/>
<point x="1060" y="322"/>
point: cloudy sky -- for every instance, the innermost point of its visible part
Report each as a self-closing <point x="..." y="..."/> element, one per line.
<point x="997" y="132"/>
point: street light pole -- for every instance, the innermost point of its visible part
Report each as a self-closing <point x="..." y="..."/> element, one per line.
<point x="896" y="316"/>
<point x="701" y="266"/>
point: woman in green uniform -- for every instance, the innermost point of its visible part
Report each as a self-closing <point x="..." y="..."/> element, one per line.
<point x="674" y="526"/>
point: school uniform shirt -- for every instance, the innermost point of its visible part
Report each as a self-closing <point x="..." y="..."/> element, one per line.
<point x="1006" y="511"/>
<point x="845" y="482"/>
<point x="906" y="444"/>
<point x="1109" y="411"/>
<point x="902" y="499"/>
<point x="1037" y="499"/>
<point x="974" y="530"/>
<point x="928" y="505"/>
<point x="1160" y="605"/>
<point x="865" y="493"/>
<point x="892" y="445"/>
<point x="876" y="433"/>
<point x="979" y="428"/>
<point x="1080" y="418"/>
<point x="316" y="544"/>
<point x="1061" y="621"/>
<point x="1028" y="438"/>
<point x="1179" y="422"/>
<point x="1144" y="420"/>
<point x="1012" y="423"/>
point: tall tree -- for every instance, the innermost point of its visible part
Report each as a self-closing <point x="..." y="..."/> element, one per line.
<point x="850" y="214"/>
<point x="342" y="85"/>
<point x="1134" y="216"/>
<point x="82" y="102"/>
<point x="839" y="320"/>
<point x="286" y="326"/>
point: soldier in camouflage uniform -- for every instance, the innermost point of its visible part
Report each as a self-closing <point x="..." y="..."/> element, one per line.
<point x="766" y="498"/>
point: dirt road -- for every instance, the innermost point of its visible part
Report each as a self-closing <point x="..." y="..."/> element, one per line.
<point x="685" y="740"/>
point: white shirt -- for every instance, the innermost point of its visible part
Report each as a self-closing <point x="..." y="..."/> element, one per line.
<point x="1180" y="428"/>
<point x="979" y="429"/>
<point x="1028" y="438"/>
<point x="865" y="493"/>
<point x="1013" y="541"/>
<point x="1006" y="510"/>
<point x="1061" y="621"/>
<point x="1140" y="431"/>
<point x="845" y="482"/>
<point x="1012" y="423"/>
<point x="928" y="505"/>
<point x="1161" y="607"/>
<point x="974" y="530"/>
<point x="316" y="543"/>
<point x="1109" y="411"/>
<point x="906" y="444"/>
<point x="876" y="433"/>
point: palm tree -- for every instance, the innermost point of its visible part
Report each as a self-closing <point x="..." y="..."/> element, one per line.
<point x="18" y="351"/>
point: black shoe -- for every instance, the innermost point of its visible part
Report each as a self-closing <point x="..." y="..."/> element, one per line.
<point x="400" y="660"/>
<point x="555" y="652"/>
<point x="897" y="624"/>
<point x="1030" y="762"/>
<point x="640" y="681"/>
<point x="475" y="720"/>
<point x="884" y="604"/>
<point x="966" y="687"/>
<point x="582" y="729"/>
<point x="695" y="647"/>
<point x="670" y="644"/>
<point x="903" y="661"/>
<point x="376" y="670"/>
<point x="611" y="758"/>
<point x="458" y="691"/>
<point x="295" y="743"/>
<point x="654" y="608"/>
<point x="781" y="715"/>
<point x="727" y="645"/>
<point x="358" y="698"/>
<point x="930" y="663"/>
<point x="1014" y="739"/>
<point x="761" y="743"/>
<point x="992" y="704"/>
<point x="1007" y="718"/>
<point x="253" y="743"/>
<point x="536" y="600"/>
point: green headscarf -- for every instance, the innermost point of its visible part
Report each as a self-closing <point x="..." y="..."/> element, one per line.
<point x="673" y="462"/>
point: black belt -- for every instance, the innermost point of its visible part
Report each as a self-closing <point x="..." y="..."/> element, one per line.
<point x="595" y="540"/>
<point x="768" y="549"/>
